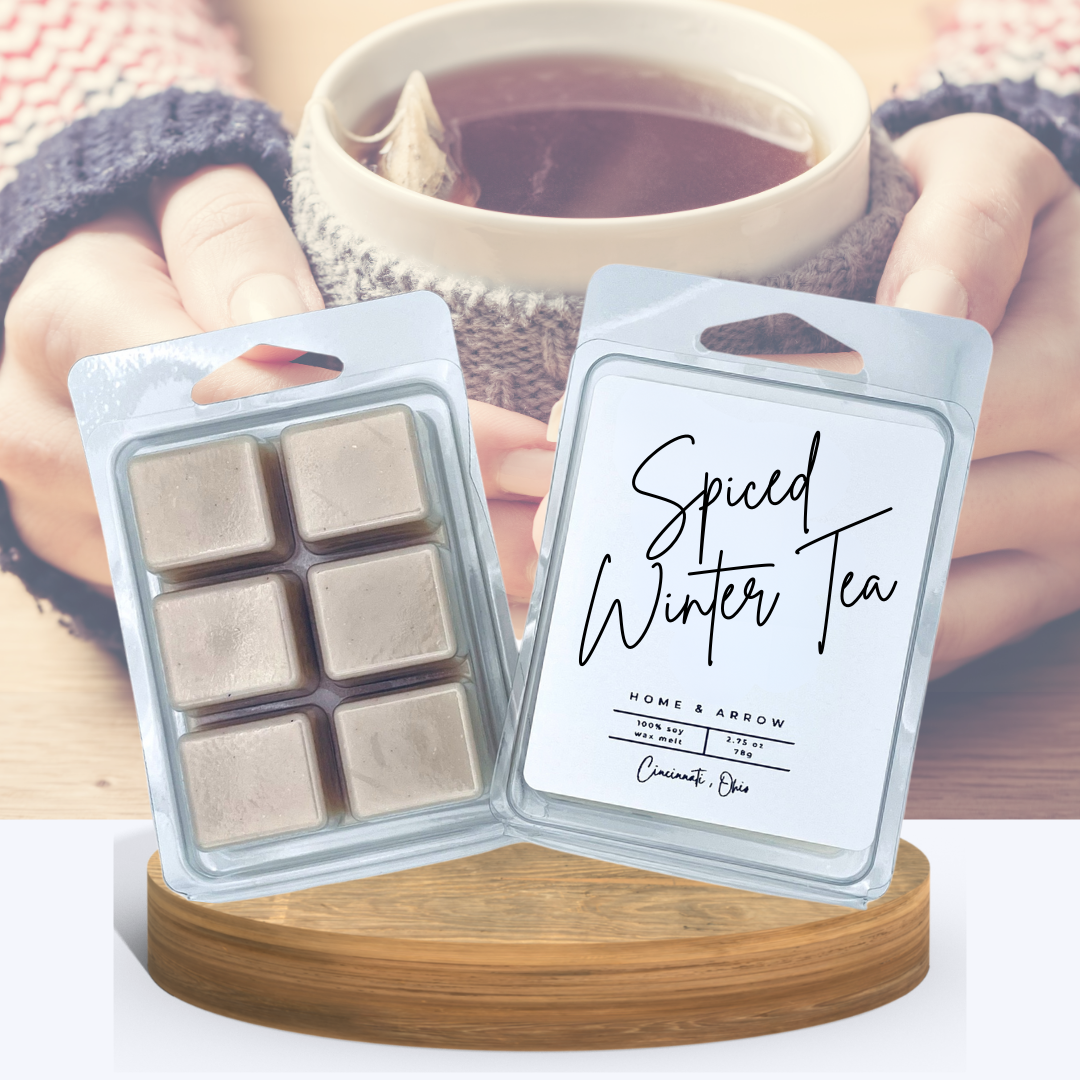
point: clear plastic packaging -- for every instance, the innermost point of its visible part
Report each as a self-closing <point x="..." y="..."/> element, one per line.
<point x="315" y="624"/>
<point x="738" y="589"/>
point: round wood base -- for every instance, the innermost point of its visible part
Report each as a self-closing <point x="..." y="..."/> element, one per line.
<point x="528" y="949"/>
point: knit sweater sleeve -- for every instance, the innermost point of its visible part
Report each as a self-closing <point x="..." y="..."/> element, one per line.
<point x="97" y="99"/>
<point x="1018" y="59"/>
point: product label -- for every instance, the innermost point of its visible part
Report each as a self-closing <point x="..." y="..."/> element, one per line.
<point x="735" y="608"/>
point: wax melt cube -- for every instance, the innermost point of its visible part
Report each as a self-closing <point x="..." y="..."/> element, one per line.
<point x="237" y="641"/>
<point x="380" y="613"/>
<point x="403" y="751"/>
<point x="211" y="506"/>
<point x="254" y="780"/>
<point x="356" y="475"/>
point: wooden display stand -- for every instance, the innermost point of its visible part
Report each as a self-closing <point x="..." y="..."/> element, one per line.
<point x="528" y="949"/>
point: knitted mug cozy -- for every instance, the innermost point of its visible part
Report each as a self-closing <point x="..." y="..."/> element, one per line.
<point x="515" y="346"/>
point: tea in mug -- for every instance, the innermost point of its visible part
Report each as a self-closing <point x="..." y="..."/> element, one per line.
<point x="598" y="136"/>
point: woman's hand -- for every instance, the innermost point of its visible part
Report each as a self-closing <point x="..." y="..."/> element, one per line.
<point x="213" y="250"/>
<point x="516" y="458"/>
<point x="995" y="236"/>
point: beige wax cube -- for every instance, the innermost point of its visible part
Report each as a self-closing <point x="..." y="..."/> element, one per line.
<point x="253" y="780"/>
<point x="381" y="613"/>
<point x="402" y="751"/>
<point x="209" y="506"/>
<point x="355" y="475"/>
<point x="226" y="644"/>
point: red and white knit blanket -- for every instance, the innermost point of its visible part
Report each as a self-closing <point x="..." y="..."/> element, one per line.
<point x="63" y="59"/>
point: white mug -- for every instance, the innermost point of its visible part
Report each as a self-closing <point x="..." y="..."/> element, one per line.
<point x="745" y="238"/>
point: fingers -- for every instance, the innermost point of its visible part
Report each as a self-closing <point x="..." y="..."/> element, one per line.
<point x="515" y="455"/>
<point x="48" y="484"/>
<point x="104" y="287"/>
<point x="40" y="447"/>
<point x="245" y="376"/>
<point x="982" y="181"/>
<point x="555" y="419"/>
<point x="512" y="525"/>
<point x="1032" y="399"/>
<point x="234" y="259"/>
<point x="68" y="539"/>
<point x="1023" y="502"/>
<point x="46" y="477"/>
<point x="998" y="597"/>
<point x="525" y="472"/>
<point x="538" y="523"/>
<point x="848" y="363"/>
<point x="230" y="250"/>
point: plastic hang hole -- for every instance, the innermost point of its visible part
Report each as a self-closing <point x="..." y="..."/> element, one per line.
<point x="262" y="369"/>
<point x="783" y="337"/>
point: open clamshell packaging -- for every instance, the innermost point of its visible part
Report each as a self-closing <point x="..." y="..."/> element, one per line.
<point x="315" y="624"/>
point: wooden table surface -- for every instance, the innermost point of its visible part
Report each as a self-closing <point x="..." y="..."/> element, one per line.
<point x="1000" y="738"/>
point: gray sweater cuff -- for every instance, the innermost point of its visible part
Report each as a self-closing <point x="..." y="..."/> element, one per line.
<point x="108" y="160"/>
<point x="1052" y="119"/>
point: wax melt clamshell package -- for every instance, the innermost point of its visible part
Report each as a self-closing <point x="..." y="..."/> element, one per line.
<point x="738" y="588"/>
<point x="315" y="624"/>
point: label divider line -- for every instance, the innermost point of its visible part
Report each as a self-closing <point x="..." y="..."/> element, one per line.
<point x="695" y="753"/>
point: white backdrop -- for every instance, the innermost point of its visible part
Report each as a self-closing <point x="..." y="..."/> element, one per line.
<point x="1000" y="997"/>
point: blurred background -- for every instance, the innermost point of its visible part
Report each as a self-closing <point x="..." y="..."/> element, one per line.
<point x="290" y="43"/>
